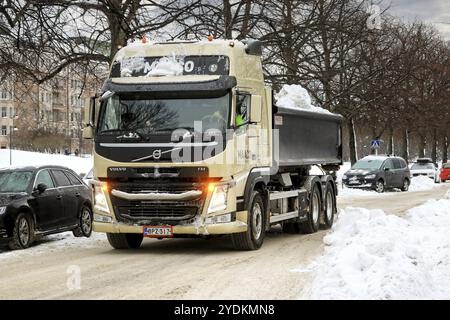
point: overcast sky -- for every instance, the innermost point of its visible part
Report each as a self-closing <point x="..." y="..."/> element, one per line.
<point x="436" y="12"/>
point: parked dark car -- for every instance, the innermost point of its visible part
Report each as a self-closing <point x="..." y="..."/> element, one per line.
<point x="378" y="173"/>
<point x="37" y="201"/>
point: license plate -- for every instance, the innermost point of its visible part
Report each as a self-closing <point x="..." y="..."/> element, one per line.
<point x="158" y="232"/>
<point x="354" y="182"/>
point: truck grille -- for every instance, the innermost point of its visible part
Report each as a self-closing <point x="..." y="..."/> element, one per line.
<point x="157" y="211"/>
<point x="163" y="213"/>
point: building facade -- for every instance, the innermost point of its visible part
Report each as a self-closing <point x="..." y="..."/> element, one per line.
<point x="46" y="117"/>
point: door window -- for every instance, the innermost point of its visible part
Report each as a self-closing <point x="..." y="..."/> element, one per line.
<point x="242" y="109"/>
<point x="44" y="178"/>
<point x="397" y="164"/>
<point x="389" y="164"/>
<point x="60" y="178"/>
<point x="73" y="180"/>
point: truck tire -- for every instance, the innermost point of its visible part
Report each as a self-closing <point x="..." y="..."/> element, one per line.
<point x="125" y="240"/>
<point x="23" y="232"/>
<point x="253" y="238"/>
<point x="329" y="207"/>
<point x="312" y="224"/>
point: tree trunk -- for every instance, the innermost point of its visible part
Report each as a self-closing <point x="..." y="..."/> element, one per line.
<point x="422" y="145"/>
<point x="246" y="20"/>
<point x="434" y="146"/>
<point x="352" y="141"/>
<point x="405" y="140"/>
<point x="391" y="149"/>
<point x="445" y="149"/>
<point x="227" y="16"/>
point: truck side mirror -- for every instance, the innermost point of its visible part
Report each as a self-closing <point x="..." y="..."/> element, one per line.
<point x="89" y="119"/>
<point x="256" y="109"/>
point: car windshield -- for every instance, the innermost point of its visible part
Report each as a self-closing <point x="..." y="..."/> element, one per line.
<point x="446" y="166"/>
<point x="423" y="166"/>
<point x="137" y="117"/>
<point x="15" y="181"/>
<point x="368" y="164"/>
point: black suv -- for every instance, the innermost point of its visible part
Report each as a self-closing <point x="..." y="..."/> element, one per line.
<point x="378" y="173"/>
<point x="37" y="201"/>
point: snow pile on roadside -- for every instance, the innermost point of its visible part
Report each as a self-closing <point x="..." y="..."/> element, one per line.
<point x="345" y="192"/>
<point x="56" y="242"/>
<point x="422" y="183"/>
<point x="371" y="255"/>
<point x="296" y="97"/>
<point x="26" y="158"/>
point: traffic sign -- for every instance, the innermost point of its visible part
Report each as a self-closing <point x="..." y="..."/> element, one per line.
<point x="375" y="144"/>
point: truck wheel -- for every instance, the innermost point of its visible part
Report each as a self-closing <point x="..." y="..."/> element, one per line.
<point x="405" y="186"/>
<point x="330" y="207"/>
<point x="23" y="232"/>
<point x="253" y="238"/>
<point x="312" y="224"/>
<point x="125" y="240"/>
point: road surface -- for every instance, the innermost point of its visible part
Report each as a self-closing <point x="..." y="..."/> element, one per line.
<point x="178" y="268"/>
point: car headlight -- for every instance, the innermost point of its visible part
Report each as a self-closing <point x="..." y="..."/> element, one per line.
<point x="2" y="210"/>
<point x="218" y="199"/>
<point x="344" y="177"/>
<point x="371" y="176"/>
<point x="100" y="201"/>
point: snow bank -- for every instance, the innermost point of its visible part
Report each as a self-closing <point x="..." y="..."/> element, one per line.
<point x="345" y="192"/>
<point x="371" y="255"/>
<point x="56" y="242"/>
<point x="422" y="183"/>
<point x="296" y="97"/>
<point x="25" y="158"/>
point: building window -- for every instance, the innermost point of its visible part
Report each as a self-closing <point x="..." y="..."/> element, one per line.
<point x="4" y="112"/>
<point x="3" y="132"/>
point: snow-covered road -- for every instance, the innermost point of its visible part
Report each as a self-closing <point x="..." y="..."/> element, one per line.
<point x="181" y="268"/>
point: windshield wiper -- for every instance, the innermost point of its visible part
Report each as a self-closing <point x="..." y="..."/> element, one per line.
<point x="190" y="129"/>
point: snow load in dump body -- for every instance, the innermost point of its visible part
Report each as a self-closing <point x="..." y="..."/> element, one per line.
<point x="186" y="61"/>
<point x="294" y="96"/>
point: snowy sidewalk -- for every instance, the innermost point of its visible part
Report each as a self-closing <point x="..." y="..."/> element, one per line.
<point x="372" y="255"/>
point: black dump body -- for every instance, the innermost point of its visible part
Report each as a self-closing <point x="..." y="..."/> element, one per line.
<point x="306" y="138"/>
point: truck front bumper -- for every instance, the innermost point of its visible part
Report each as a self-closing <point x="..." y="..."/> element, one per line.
<point x="200" y="229"/>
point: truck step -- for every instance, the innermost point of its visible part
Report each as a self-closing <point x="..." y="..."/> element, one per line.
<point x="284" y="216"/>
<point x="285" y="194"/>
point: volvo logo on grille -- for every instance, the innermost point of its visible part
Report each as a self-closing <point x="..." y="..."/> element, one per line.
<point x="157" y="154"/>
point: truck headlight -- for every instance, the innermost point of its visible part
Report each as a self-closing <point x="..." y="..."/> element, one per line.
<point x="371" y="176"/>
<point x="2" y="210"/>
<point x="218" y="199"/>
<point x="100" y="202"/>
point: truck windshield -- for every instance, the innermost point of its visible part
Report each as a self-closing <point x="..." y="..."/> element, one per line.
<point x="126" y="116"/>
<point x="365" y="164"/>
<point x="14" y="181"/>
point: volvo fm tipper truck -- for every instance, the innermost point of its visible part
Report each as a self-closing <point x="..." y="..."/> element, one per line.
<point x="189" y="143"/>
